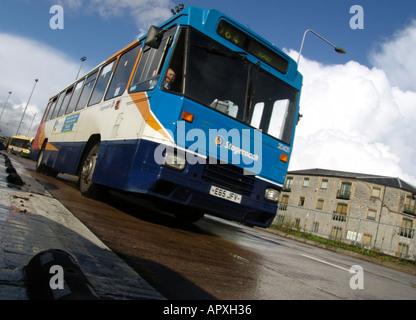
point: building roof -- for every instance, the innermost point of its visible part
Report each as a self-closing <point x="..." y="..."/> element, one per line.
<point x="382" y="180"/>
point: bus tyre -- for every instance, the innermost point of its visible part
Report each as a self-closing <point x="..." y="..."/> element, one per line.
<point x="87" y="187"/>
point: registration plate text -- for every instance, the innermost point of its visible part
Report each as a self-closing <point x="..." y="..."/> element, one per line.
<point x="225" y="194"/>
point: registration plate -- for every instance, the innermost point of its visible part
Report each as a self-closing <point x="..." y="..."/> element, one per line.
<point x="225" y="194"/>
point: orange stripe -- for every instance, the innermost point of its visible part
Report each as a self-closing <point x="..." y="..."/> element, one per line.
<point x="40" y="138"/>
<point x="131" y="45"/>
<point x="142" y="103"/>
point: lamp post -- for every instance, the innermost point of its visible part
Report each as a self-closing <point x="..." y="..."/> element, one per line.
<point x="337" y="49"/>
<point x="27" y="104"/>
<point x="82" y="61"/>
<point x="28" y="131"/>
<point x="7" y="100"/>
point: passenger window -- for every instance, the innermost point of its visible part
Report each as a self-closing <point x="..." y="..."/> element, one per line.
<point x="58" y="104"/>
<point x="52" y="108"/>
<point x="75" y="97"/>
<point x="47" y="110"/>
<point x="86" y="91"/>
<point x="66" y="102"/>
<point x="122" y="74"/>
<point x="102" y="82"/>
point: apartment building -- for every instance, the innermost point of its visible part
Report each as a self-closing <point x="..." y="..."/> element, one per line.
<point x="375" y="212"/>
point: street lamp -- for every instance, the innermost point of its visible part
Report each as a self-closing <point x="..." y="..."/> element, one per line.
<point x="82" y="61"/>
<point x="337" y="49"/>
<point x="27" y="104"/>
<point x="7" y="100"/>
<point x="28" y="131"/>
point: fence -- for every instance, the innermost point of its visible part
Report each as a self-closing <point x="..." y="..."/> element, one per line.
<point x="396" y="240"/>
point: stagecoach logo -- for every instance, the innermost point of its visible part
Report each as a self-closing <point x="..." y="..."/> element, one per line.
<point x="219" y="141"/>
<point x="230" y="146"/>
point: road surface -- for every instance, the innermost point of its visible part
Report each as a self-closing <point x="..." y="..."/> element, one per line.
<point x="218" y="259"/>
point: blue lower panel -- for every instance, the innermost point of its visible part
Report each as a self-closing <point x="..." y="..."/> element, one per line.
<point x="65" y="159"/>
<point x="130" y="166"/>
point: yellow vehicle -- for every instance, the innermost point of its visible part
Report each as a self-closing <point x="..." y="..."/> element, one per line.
<point x="20" y="145"/>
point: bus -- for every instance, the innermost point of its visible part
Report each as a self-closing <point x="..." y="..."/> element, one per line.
<point x="197" y="116"/>
<point x="20" y="145"/>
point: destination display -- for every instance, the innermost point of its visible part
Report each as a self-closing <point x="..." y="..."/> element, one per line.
<point x="245" y="42"/>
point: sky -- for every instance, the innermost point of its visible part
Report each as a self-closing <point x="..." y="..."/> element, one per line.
<point x="358" y="108"/>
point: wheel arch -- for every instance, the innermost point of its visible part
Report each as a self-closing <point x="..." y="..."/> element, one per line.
<point x="95" y="138"/>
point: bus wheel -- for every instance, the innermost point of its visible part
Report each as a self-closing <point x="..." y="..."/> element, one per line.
<point x="87" y="187"/>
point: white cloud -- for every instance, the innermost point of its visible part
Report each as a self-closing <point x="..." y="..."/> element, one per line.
<point x="355" y="120"/>
<point x="144" y="12"/>
<point x="22" y="61"/>
<point x="396" y="58"/>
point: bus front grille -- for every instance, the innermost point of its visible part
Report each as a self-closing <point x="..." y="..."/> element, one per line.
<point x="229" y="177"/>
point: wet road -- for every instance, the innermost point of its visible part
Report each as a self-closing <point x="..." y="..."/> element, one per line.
<point x="217" y="259"/>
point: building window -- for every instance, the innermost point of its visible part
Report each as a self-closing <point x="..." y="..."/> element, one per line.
<point x="410" y="205"/>
<point x="288" y="184"/>
<point x="406" y="229"/>
<point x="403" y="251"/>
<point x="341" y="212"/>
<point x="306" y="182"/>
<point x="297" y="223"/>
<point x="367" y="239"/>
<point x="345" y="191"/>
<point x="324" y="184"/>
<point x="376" y="192"/>
<point x="320" y="204"/>
<point x="371" y="214"/>
<point x="301" y="201"/>
<point x="336" y="233"/>
<point x="279" y="220"/>
<point x="315" y="226"/>
<point x="284" y="202"/>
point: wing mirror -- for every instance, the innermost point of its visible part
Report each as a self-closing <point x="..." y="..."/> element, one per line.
<point x="154" y="37"/>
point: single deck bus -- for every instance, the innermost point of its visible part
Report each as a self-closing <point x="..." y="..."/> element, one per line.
<point x="198" y="115"/>
<point x="20" y="145"/>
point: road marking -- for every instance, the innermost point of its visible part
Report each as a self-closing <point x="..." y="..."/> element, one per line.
<point x="328" y="263"/>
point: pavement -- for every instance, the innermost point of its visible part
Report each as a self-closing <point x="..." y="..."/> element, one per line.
<point x="33" y="222"/>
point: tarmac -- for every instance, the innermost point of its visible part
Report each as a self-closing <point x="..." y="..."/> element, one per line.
<point x="32" y="222"/>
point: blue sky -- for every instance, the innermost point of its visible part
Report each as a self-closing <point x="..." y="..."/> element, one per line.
<point x="88" y="33"/>
<point x="359" y="109"/>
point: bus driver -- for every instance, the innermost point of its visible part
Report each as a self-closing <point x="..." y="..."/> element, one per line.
<point x="169" y="79"/>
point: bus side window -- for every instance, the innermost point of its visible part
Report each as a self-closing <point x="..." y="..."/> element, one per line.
<point x="47" y="110"/>
<point x="58" y="105"/>
<point x="122" y="73"/>
<point x="75" y="97"/>
<point x="52" y="108"/>
<point x="68" y="95"/>
<point x="102" y="83"/>
<point x="86" y="91"/>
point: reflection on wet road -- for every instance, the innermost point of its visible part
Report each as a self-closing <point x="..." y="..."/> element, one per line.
<point x="218" y="259"/>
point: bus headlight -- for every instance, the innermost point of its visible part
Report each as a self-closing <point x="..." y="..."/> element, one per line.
<point x="175" y="161"/>
<point x="272" y="195"/>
